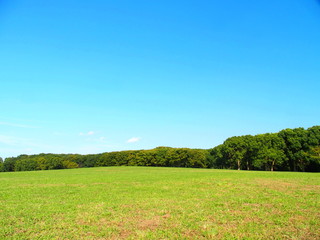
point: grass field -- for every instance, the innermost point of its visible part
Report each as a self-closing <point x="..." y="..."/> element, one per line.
<point x="159" y="203"/>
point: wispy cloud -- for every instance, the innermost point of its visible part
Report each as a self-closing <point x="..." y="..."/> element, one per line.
<point x="14" y="146"/>
<point x="90" y="133"/>
<point x="17" y="141"/>
<point x="59" y="134"/>
<point x="133" y="140"/>
<point x="8" y="140"/>
<point x="102" y="139"/>
<point x="17" y="125"/>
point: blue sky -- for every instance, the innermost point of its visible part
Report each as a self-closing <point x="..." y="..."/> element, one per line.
<point x="97" y="76"/>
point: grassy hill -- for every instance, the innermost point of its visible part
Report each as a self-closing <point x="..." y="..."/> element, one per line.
<point x="159" y="203"/>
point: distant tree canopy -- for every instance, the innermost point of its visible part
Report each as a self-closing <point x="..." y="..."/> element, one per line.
<point x="161" y="157"/>
<point x="288" y="150"/>
<point x="1" y="164"/>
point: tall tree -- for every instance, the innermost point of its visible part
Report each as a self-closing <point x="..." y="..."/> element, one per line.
<point x="216" y="159"/>
<point x="296" y="144"/>
<point x="314" y="164"/>
<point x="270" y="152"/>
<point x="8" y="164"/>
<point x="234" y="151"/>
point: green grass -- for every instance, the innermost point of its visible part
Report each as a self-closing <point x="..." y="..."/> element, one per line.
<point x="159" y="203"/>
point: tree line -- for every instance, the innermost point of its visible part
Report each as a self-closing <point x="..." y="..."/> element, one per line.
<point x="295" y="149"/>
<point x="159" y="157"/>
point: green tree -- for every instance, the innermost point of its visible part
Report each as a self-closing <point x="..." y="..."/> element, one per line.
<point x="197" y="158"/>
<point x="217" y="159"/>
<point x="69" y="164"/>
<point x="234" y="151"/>
<point x="271" y="151"/>
<point x="26" y="164"/>
<point x="8" y="164"/>
<point x="252" y="147"/>
<point x="296" y="145"/>
<point x="42" y="162"/>
<point x="54" y="162"/>
<point x="314" y="164"/>
<point x="1" y="165"/>
<point x="313" y="136"/>
<point x="161" y="158"/>
<point x="90" y="160"/>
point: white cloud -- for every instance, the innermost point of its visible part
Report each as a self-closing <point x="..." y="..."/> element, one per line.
<point x="90" y="133"/>
<point x="133" y="140"/>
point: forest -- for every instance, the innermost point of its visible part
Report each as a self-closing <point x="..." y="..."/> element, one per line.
<point x="295" y="149"/>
